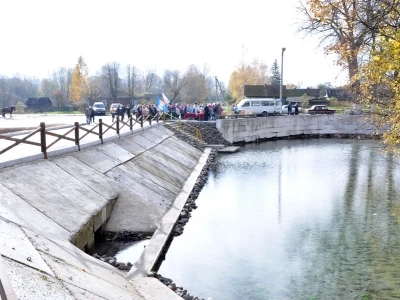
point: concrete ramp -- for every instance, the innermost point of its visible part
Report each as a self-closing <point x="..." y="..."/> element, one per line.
<point x="131" y="146"/>
<point x="55" y="193"/>
<point x="50" y="210"/>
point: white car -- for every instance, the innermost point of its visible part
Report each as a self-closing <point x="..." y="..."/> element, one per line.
<point x="285" y="109"/>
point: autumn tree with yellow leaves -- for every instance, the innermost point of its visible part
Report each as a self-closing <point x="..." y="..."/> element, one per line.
<point x="255" y="73"/>
<point x="79" y="88"/>
<point x="380" y="82"/>
<point x="365" y="37"/>
<point x="344" y="29"/>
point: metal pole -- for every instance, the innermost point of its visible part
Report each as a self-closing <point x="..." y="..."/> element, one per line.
<point x="216" y="89"/>
<point x="280" y="88"/>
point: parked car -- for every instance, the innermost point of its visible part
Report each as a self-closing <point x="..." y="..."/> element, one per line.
<point x="285" y="109"/>
<point x="99" y="109"/>
<point x="114" y="106"/>
<point x="320" y="110"/>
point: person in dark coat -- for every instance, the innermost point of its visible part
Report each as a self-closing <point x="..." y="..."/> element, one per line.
<point x="139" y="111"/>
<point x="206" y="112"/>
<point x="216" y="109"/>
<point x="92" y="114"/>
<point x="296" y="109"/>
<point x="118" y="112"/>
<point x="128" y="111"/>
<point x="122" y="113"/>
<point x="289" y="109"/>
<point x="153" y="110"/>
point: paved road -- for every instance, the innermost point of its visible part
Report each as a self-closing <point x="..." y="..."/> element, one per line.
<point x="27" y="123"/>
<point x="30" y="121"/>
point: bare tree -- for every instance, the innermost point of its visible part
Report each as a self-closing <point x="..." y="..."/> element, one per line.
<point x="198" y="85"/>
<point x="110" y="74"/>
<point x="149" y="80"/>
<point x="173" y="83"/>
<point x="95" y="85"/>
<point x="48" y="87"/>
<point x="61" y="80"/>
<point x="132" y="81"/>
<point x="344" y="28"/>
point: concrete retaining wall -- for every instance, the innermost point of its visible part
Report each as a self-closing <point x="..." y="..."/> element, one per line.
<point x="46" y="205"/>
<point x="253" y="129"/>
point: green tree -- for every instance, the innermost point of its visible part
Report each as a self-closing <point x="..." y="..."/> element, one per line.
<point x="275" y="74"/>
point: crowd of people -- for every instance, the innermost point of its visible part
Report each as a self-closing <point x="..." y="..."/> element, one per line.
<point x="137" y="110"/>
<point x="292" y="107"/>
<point x="204" y="112"/>
<point x="207" y="112"/>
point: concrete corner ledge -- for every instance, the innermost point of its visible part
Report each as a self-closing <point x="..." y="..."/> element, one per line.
<point x="21" y="160"/>
<point x="155" y="247"/>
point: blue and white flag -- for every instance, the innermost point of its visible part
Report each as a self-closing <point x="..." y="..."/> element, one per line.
<point x="162" y="103"/>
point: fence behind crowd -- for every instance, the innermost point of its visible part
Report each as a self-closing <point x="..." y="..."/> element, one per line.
<point x="38" y="137"/>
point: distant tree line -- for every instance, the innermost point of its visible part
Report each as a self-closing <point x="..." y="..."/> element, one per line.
<point x="74" y="87"/>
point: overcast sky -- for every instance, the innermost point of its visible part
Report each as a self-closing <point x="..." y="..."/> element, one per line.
<point x="40" y="36"/>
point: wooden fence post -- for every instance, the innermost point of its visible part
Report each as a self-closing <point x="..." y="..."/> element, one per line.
<point x="77" y="135"/>
<point x="101" y="130"/>
<point x="141" y="121"/>
<point x="117" y="124"/>
<point x="130" y="123"/>
<point x="43" y="139"/>
<point x="2" y="291"/>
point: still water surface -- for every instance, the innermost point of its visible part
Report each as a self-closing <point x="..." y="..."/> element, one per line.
<point x="299" y="219"/>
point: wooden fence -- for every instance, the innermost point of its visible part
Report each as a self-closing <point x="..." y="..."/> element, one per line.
<point x="99" y="129"/>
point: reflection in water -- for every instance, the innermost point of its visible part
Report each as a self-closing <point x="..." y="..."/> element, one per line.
<point x="313" y="219"/>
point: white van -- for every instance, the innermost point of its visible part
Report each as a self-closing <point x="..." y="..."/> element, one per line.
<point x="261" y="106"/>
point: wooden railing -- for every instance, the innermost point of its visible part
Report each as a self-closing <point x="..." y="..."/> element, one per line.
<point x="3" y="295"/>
<point x="99" y="129"/>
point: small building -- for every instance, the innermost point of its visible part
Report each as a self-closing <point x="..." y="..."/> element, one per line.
<point x="339" y="94"/>
<point x="298" y="95"/>
<point x="38" y="104"/>
<point x="265" y="91"/>
<point x="132" y="101"/>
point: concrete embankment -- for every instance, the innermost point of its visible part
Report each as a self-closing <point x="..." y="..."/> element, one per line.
<point x="50" y="210"/>
<point x="253" y="129"/>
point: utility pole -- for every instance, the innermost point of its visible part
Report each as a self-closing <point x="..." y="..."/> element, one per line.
<point x="280" y="88"/>
<point x="216" y="89"/>
<point x="218" y="85"/>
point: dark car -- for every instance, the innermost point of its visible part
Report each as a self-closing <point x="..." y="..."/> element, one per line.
<point x="99" y="109"/>
<point x="320" y="110"/>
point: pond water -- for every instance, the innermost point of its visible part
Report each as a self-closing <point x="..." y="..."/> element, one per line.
<point x="298" y="219"/>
